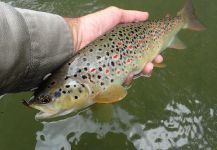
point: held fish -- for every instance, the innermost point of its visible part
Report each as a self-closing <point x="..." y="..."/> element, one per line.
<point x="97" y="73"/>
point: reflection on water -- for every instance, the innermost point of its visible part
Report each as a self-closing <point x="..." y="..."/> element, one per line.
<point x="177" y="130"/>
<point x="63" y="7"/>
<point x="157" y="113"/>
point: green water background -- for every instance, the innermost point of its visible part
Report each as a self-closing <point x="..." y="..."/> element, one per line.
<point x="174" y="109"/>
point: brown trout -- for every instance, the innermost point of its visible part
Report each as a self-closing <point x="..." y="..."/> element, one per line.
<point x="97" y="73"/>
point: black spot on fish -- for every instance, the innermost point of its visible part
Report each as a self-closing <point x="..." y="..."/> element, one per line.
<point x="112" y="80"/>
<point x="80" y="91"/>
<point x="67" y="86"/>
<point x="120" y="56"/>
<point x="91" y="50"/>
<point x="107" y="53"/>
<point x="82" y="85"/>
<point x="60" y="89"/>
<point x="89" y="76"/>
<point x="85" y="68"/>
<point x="98" y="57"/>
<point x="112" y="63"/>
<point x="101" y="83"/>
<point x="57" y="94"/>
<point x="88" y="64"/>
<point x="69" y="64"/>
<point x="100" y="68"/>
<point x="76" y="97"/>
<point x="84" y="59"/>
<point x="79" y="70"/>
<point x="100" y="49"/>
<point x="75" y="75"/>
<point x="74" y="85"/>
<point x="84" y="77"/>
<point x="66" y="77"/>
<point x="99" y="76"/>
<point x="64" y="92"/>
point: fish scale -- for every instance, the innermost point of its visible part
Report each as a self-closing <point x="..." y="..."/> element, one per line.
<point x="128" y="49"/>
<point x="96" y="74"/>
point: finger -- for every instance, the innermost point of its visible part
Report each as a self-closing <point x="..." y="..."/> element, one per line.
<point x="96" y="24"/>
<point x="158" y="59"/>
<point x="133" y="16"/>
<point x="129" y="79"/>
<point x="148" y="68"/>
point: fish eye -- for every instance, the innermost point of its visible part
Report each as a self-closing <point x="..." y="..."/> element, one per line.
<point x="45" y="99"/>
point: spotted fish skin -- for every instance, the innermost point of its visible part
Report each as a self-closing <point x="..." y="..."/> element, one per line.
<point x="124" y="50"/>
<point x="108" y="61"/>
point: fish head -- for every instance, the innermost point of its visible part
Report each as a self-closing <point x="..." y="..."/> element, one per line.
<point x="61" y="99"/>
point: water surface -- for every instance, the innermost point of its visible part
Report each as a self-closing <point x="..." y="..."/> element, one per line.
<point x="174" y="109"/>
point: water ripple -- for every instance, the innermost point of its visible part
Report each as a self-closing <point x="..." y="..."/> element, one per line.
<point x="176" y="131"/>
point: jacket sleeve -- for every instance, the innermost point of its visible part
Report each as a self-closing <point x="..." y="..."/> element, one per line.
<point x="32" y="44"/>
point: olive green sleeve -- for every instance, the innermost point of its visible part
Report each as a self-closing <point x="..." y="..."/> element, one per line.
<point x="32" y="44"/>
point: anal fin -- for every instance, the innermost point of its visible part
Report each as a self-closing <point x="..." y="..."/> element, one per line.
<point x="177" y="44"/>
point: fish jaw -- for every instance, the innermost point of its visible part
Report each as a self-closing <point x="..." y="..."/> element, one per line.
<point x="43" y="115"/>
<point x="44" y="112"/>
<point x="47" y="113"/>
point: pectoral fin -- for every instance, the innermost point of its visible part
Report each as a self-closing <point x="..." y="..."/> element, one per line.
<point x="177" y="44"/>
<point x="113" y="93"/>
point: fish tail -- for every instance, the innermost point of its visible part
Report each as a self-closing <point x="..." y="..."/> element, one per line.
<point x="190" y="18"/>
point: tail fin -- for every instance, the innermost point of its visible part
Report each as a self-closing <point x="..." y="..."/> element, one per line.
<point x="190" y="18"/>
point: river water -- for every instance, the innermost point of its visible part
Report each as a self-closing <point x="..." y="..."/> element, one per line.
<point x="176" y="108"/>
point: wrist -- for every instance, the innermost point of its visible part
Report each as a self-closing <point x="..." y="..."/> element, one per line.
<point x="73" y="24"/>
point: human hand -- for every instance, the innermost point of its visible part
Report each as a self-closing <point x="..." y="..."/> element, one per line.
<point x="87" y="28"/>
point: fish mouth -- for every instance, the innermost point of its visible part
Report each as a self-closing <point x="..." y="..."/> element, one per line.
<point x="44" y="112"/>
<point x="28" y="102"/>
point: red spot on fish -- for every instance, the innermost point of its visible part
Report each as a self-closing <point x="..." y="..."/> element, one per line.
<point x="139" y="41"/>
<point x="115" y="56"/>
<point x="128" y="60"/>
<point x="130" y="46"/>
<point x="120" y="43"/>
<point x="140" y="56"/>
<point x="107" y="71"/>
<point x="93" y="70"/>
<point x="118" y="71"/>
